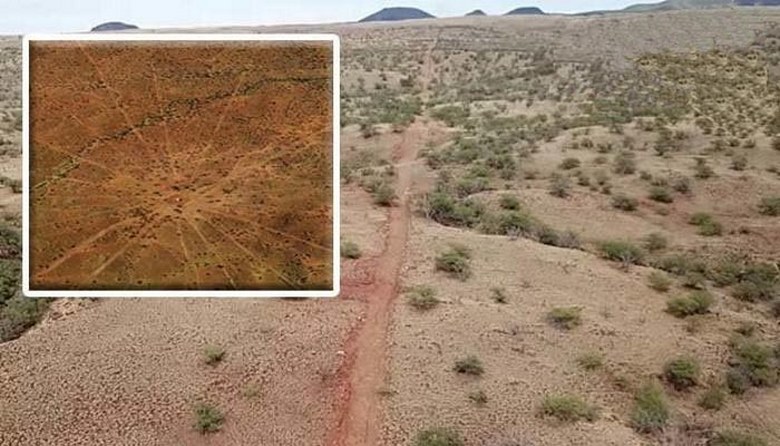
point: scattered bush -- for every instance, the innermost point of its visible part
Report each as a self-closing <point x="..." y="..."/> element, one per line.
<point x="622" y="251"/>
<point x="350" y="250"/>
<point x="213" y="354"/>
<point x="713" y="398"/>
<point x="708" y="226"/>
<point x="757" y="282"/>
<point x="560" y="186"/>
<point x="591" y="361"/>
<point x="739" y="163"/>
<point x="570" y="163"/>
<point x="698" y="302"/>
<point x="733" y="438"/>
<point x="438" y="437"/>
<point x="470" y="365"/>
<point x="769" y="206"/>
<point x="753" y="364"/>
<point x="702" y="170"/>
<point x="565" y="317"/>
<point x="655" y="242"/>
<point x="651" y="411"/>
<point x="384" y="194"/>
<point x="455" y="261"/>
<point x="682" y="184"/>
<point x="659" y="281"/>
<point x="509" y="202"/>
<point x="625" y="163"/>
<point x="682" y="373"/>
<point x="208" y="418"/>
<point x="661" y="194"/>
<point x="422" y="297"/>
<point x="624" y="203"/>
<point x="568" y="408"/>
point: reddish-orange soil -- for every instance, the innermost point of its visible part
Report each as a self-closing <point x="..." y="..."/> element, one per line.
<point x="153" y="169"/>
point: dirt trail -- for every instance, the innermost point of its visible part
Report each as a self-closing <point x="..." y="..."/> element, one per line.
<point x="359" y="419"/>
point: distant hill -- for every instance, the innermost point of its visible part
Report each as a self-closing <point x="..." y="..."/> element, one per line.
<point x="671" y="5"/>
<point x="399" y="13"/>
<point x="526" y="10"/>
<point x="113" y="26"/>
<point x="476" y="12"/>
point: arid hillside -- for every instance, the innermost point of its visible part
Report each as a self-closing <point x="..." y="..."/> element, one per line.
<point x="556" y="231"/>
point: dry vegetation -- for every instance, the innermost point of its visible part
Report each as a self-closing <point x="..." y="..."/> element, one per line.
<point x="593" y="257"/>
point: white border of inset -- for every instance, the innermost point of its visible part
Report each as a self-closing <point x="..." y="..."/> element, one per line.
<point x="336" y="213"/>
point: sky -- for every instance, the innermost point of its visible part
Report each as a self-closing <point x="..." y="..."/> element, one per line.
<point x="54" y="16"/>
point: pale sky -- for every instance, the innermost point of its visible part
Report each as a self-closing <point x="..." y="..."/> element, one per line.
<point x="29" y="16"/>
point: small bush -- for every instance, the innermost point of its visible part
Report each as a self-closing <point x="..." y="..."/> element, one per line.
<point x="661" y="194"/>
<point x="713" y="398"/>
<point x="737" y="382"/>
<point x="438" y="437"/>
<point x="499" y="295"/>
<point x="682" y="184"/>
<point x="702" y="170"/>
<point x="659" y="281"/>
<point x="739" y="163"/>
<point x="560" y="186"/>
<point x="733" y="438"/>
<point x="651" y="410"/>
<point x="479" y="397"/>
<point x="383" y="194"/>
<point x="624" y="203"/>
<point x="422" y="297"/>
<point x="565" y="317"/>
<point x="213" y="354"/>
<point x="568" y="408"/>
<point x="622" y="251"/>
<point x="570" y="163"/>
<point x="509" y="202"/>
<point x="769" y="206"/>
<point x="775" y="308"/>
<point x="625" y="163"/>
<point x="208" y="418"/>
<point x="591" y="361"/>
<point x="698" y="302"/>
<point x="456" y="262"/>
<point x="350" y="250"/>
<point x="655" y="242"/>
<point x="757" y="363"/>
<point x="708" y="226"/>
<point x="470" y="365"/>
<point x="682" y="373"/>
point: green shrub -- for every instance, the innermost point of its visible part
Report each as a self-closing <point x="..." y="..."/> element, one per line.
<point x="679" y="264"/>
<point x="758" y="282"/>
<point x="456" y="261"/>
<point x="591" y="361"/>
<point x="570" y="163"/>
<point x="708" y="226"/>
<point x="624" y="203"/>
<point x="208" y="418"/>
<point x="470" y="365"/>
<point x="568" y="408"/>
<point x="713" y="398"/>
<point x="438" y="437"/>
<point x="422" y="297"/>
<point x="509" y="202"/>
<point x="661" y="194"/>
<point x="698" y="302"/>
<point x="682" y="373"/>
<point x="737" y="382"/>
<point x="659" y="281"/>
<point x="443" y="208"/>
<point x="655" y="242"/>
<point x="769" y="206"/>
<point x="651" y="410"/>
<point x="18" y="314"/>
<point x="756" y="362"/>
<point x="350" y="250"/>
<point x="213" y="354"/>
<point x="733" y="438"/>
<point x="622" y="251"/>
<point x="565" y="317"/>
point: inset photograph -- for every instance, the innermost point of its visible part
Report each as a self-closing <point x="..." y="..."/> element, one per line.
<point x="181" y="165"/>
